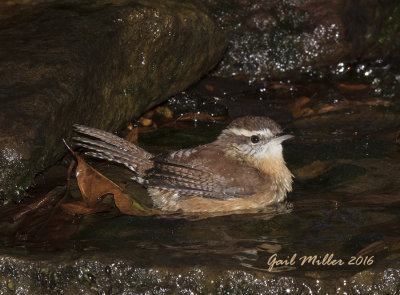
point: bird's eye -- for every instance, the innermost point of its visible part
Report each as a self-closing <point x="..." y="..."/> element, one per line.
<point x="254" y="139"/>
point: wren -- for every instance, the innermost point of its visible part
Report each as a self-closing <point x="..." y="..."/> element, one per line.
<point x="243" y="169"/>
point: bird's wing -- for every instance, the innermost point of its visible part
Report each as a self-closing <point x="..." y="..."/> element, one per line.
<point x="192" y="181"/>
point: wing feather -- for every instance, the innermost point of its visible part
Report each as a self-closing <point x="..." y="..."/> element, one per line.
<point x="189" y="181"/>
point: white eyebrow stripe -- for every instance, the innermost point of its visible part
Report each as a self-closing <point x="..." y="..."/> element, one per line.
<point x="241" y="131"/>
<point x="266" y="132"/>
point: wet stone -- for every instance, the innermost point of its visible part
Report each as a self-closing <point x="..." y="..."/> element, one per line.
<point x="34" y="276"/>
<point x="278" y="38"/>
<point x="96" y="63"/>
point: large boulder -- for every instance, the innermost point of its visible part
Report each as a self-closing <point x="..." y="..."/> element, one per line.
<point x="98" y="63"/>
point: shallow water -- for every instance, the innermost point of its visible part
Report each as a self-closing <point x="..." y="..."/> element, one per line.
<point x="345" y="198"/>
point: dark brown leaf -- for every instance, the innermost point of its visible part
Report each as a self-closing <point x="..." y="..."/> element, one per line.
<point x="93" y="186"/>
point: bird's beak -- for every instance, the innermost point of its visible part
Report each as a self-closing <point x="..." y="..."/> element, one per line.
<point x="282" y="138"/>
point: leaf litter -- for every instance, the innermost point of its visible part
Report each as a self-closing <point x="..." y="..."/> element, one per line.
<point x="94" y="186"/>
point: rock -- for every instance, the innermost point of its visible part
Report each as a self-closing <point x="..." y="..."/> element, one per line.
<point x="96" y="63"/>
<point x="99" y="273"/>
<point x="279" y="38"/>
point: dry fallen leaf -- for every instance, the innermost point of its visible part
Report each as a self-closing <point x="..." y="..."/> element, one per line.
<point x="145" y="122"/>
<point x="93" y="186"/>
<point x="241" y="77"/>
<point x="386" y="243"/>
<point x="278" y="85"/>
<point x="312" y="170"/>
<point x="133" y="134"/>
<point x="209" y="87"/>
<point x="373" y="248"/>
<point x="165" y="111"/>
<point x="298" y="109"/>
<point x="193" y="116"/>
<point x="353" y="87"/>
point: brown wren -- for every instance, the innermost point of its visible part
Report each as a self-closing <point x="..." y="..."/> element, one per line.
<point x="242" y="170"/>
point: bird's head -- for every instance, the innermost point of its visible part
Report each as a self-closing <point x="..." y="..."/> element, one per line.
<point x="253" y="139"/>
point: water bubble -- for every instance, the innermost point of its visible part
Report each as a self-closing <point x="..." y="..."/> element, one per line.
<point x="367" y="73"/>
<point x="376" y="81"/>
<point x="11" y="155"/>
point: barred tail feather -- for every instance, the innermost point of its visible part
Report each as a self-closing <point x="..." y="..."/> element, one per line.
<point x="113" y="148"/>
<point x="112" y="140"/>
<point x="99" y="150"/>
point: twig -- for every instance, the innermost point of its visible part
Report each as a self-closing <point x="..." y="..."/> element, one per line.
<point x="46" y="199"/>
<point x="62" y="200"/>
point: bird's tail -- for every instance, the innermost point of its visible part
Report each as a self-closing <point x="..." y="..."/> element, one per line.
<point x="105" y="145"/>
